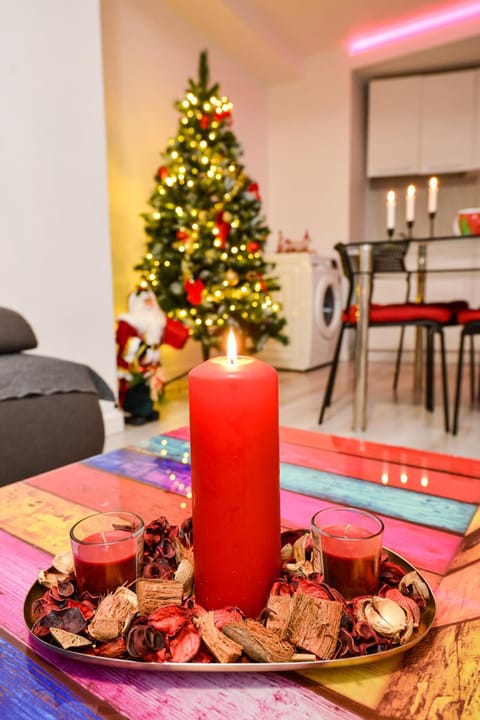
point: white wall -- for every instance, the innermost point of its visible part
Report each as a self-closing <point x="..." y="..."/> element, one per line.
<point x="309" y="153"/>
<point x="55" y="264"/>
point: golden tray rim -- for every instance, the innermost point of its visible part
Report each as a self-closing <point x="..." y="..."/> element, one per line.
<point x="426" y="622"/>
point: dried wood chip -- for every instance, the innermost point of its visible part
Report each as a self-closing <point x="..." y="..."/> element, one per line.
<point x="258" y="642"/>
<point x="113" y="615"/>
<point x="69" y="640"/>
<point x="221" y="646"/>
<point x="314" y="625"/>
<point x="303" y="657"/>
<point x="184" y="574"/>
<point x="153" y="593"/>
<point x="280" y="607"/>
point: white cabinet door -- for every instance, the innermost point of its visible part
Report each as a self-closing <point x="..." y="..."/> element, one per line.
<point x="393" y="145"/>
<point x="476" y="134"/>
<point x="447" y="122"/>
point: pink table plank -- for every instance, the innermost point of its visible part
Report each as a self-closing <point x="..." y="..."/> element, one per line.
<point x="425" y="548"/>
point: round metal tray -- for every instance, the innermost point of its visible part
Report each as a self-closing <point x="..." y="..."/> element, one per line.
<point x="426" y="621"/>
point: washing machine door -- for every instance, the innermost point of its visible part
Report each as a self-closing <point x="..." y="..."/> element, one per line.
<point x="327" y="305"/>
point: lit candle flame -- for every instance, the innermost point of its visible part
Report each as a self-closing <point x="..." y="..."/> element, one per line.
<point x="411" y="191"/>
<point x="231" y="348"/>
<point x="433" y="183"/>
<point x="390" y="198"/>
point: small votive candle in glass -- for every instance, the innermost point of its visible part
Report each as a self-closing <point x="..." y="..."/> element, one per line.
<point x="107" y="551"/>
<point x="347" y="547"/>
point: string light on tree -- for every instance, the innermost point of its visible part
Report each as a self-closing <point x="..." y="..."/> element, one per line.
<point x="206" y="235"/>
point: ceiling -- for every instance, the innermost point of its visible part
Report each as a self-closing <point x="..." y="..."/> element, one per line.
<point x="273" y="38"/>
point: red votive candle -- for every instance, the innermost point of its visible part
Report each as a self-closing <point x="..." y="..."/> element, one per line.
<point x="347" y="547"/>
<point x="235" y="482"/>
<point x="107" y="551"/>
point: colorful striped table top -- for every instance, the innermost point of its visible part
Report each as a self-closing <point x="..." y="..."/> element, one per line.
<point x="429" y="504"/>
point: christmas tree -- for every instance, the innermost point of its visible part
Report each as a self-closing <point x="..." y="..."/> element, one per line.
<point x="206" y="234"/>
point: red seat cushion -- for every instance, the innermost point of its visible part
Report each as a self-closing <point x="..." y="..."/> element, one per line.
<point x="465" y="316"/>
<point x="401" y="313"/>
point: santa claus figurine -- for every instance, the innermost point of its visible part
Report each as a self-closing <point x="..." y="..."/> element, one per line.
<point x="139" y="335"/>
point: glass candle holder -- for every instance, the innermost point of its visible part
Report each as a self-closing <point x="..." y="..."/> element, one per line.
<point x="347" y="547"/>
<point x="107" y="551"/>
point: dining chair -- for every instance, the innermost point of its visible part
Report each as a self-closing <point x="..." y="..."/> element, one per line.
<point x="389" y="258"/>
<point x="470" y="322"/>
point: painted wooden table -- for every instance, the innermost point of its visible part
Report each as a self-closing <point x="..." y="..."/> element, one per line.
<point x="428" y="502"/>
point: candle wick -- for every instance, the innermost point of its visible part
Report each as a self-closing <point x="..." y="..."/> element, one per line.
<point x="347" y="529"/>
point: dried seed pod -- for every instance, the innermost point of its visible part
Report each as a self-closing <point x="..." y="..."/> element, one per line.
<point x="63" y="562"/>
<point x="412" y="584"/>
<point x="114" y="615"/>
<point x="386" y="617"/>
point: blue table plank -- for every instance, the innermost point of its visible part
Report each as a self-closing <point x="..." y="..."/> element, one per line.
<point x="39" y="696"/>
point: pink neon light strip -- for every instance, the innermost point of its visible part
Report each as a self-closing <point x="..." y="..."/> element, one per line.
<point x="414" y="27"/>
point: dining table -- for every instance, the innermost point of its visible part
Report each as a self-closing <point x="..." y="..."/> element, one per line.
<point x="428" y="502"/>
<point x="364" y="287"/>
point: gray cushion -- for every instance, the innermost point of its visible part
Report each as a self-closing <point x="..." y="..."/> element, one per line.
<point x="15" y="332"/>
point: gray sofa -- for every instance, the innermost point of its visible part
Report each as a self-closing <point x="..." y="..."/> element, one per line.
<point x="50" y="413"/>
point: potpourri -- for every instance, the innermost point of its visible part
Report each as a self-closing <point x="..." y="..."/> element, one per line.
<point x="303" y="619"/>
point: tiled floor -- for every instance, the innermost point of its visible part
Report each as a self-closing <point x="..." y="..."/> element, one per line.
<point x="400" y="420"/>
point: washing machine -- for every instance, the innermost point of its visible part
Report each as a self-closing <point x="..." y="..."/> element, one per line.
<point x="311" y="299"/>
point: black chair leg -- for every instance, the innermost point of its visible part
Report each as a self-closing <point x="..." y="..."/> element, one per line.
<point x="327" y="397"/>
<point x="429" y="370"/>
<point x="446" y="409"/>
<point x="458" y="388"/>
<point x="399" y="359"/>
<point x="472" y="372"/>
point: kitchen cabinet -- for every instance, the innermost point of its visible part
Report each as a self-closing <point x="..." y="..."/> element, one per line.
<point x="447" y="122"/>
<point x="476" y="138"/>
<point x="423" y="124"/>
<point x="393" y="146"/>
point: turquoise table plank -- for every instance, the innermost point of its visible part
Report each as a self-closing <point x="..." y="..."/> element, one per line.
<point x="443" y="513"/>
<point x="39" y="696"/>
<point x="408" y="505"/>
<point x="166" y="446"/>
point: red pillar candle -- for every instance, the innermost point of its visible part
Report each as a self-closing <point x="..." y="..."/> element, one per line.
<point x="235" y="482"/>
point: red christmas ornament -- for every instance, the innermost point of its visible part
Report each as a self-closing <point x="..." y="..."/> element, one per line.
<point x="194" y="289"/>
<point x="253" y="188"/>
<point x="204" y="122"/>
<point x="223" y="229"/>
<point x="181" y="234"/>
<point x="262" y="282"/>
<point x="222" y="114"/>
<point x="253" y="246"/>
<point x="162" y="172"/>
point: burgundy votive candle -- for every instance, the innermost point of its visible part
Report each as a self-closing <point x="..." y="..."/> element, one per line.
<point x="347" y="547"/>
<point x="107" y="551"/>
